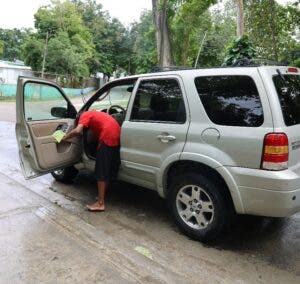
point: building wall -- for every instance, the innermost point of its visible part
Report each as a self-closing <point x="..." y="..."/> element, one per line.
<point x="9" y="75"/>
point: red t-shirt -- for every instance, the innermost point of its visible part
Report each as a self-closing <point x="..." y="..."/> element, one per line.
<point x="102" y="125"/>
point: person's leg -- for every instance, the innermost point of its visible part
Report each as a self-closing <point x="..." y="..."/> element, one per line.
<point x="102" y="186"/>
<point x="103" y="164"/>
<point x="99" y="205"/>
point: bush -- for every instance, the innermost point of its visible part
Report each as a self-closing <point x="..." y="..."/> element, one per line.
<point x="240" y="50"/>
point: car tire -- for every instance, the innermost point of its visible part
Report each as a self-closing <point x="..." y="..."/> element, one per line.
<point x="199" y="206"/>
<point x="65" y="175"/>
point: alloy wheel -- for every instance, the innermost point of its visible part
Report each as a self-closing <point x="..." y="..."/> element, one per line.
<point x="195" y="206"/>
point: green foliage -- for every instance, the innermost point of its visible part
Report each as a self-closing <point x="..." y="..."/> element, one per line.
<point x="64" y="57"/>
<point x="296" y="63"/>
<point x="83" y="39"/>
<point x="191" y="21"/>
<point x="271" y="28"/>
<point x="12" y="41"/>
<point x="219" y="35"/>
<point x="110" y="38"/>
<point x="33" y="52"/>
<point x="70" y="48"/>
<point x="1" y="48"/>
<point x="142" y="37"/>
<point x="237" y="51"/>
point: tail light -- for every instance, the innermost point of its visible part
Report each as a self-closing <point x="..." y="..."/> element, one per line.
<point x="275" y="155"/>
<point x="292" y="70"/>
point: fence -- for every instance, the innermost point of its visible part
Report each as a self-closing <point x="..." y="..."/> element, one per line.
<point x="72" y="86"/>
<point x="11" y="90"/>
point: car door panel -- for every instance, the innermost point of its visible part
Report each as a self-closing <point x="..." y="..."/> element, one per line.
<point x="49" y="153"/>
<point x="39" y="153"/>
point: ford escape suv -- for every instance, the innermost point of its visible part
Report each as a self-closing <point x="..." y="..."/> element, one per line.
<point x="210" y="141"/>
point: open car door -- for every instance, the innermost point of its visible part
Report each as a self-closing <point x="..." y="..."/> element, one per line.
<point x="42" y="108"/>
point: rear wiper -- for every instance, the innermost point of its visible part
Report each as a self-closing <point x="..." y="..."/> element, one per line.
<point x="289" y="90"/>
<point x="282" y="77"/>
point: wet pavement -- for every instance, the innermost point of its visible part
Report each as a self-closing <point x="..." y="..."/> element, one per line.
<point x="47" y="236"/>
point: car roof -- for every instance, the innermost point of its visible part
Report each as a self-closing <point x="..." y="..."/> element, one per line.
<point x="192" y="71"/>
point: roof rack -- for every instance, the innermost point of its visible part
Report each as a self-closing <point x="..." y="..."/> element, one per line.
<point x="170" y="68"/>
<point x="244" y="62"/>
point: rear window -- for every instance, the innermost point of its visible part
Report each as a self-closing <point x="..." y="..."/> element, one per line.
<point x="230" y="100"/>
<point x="288" y="90"/>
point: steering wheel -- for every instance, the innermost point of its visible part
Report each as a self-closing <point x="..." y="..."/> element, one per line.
<point x="116" y="107"/>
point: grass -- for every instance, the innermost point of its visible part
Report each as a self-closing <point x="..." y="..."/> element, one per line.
<point x="7" y="99"/>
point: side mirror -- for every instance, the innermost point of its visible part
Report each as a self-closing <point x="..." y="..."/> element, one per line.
<point x="60" y="112"/>
<point x="130" y="89"/>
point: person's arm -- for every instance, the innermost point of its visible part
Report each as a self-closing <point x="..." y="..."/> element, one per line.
<point x="73" y="133"/>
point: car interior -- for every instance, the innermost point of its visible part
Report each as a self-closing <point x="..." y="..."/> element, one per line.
<point x="90" y="140"/>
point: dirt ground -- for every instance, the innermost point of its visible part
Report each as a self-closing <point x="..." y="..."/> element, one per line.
<point x="47" y="236"/>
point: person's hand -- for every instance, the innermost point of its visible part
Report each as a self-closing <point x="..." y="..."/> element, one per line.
<point x="64" y="138"/>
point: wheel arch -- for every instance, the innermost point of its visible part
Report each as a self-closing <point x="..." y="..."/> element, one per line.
<point x="219" y="174"/>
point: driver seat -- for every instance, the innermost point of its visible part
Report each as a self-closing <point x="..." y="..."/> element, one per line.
<point x="119" y="117"/>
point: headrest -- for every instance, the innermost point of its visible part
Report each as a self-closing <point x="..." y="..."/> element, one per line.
<point x="159" y="103"/>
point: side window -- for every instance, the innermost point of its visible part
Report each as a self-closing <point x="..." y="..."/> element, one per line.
<point x="159" y="100"/>
<point x="39" y="101"/>
<point x="230" y="100"/>
<point x="118" y="95"/>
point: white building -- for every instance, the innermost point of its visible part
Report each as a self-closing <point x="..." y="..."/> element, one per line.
<point x="9" y="72"/>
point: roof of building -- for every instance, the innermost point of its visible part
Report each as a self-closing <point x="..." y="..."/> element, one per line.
<point x="14" y="65"/>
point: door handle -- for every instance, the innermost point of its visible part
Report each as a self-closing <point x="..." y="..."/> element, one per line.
<point x="166" y="138"/>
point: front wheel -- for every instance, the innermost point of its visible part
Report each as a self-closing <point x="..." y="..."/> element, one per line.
<point x="198" y="206"/>
<point x="65" y="175"/>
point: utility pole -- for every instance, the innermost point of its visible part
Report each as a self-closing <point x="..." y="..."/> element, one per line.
<point x="200" y="49"/>
<point x="45" y="54"/>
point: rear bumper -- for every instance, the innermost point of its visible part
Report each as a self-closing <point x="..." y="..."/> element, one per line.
<point x="268" y="193"/>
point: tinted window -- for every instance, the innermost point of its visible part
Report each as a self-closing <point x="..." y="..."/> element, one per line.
<point x="159" y="100"/>
<point x="230" y="100"/>
<point x="288" y="90"/>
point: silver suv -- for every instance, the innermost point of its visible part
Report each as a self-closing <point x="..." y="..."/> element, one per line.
<point x="210" y="141"/>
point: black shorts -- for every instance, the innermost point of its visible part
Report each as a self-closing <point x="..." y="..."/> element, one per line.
<point x="107" y="162"/>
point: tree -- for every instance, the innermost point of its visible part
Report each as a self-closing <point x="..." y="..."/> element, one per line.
<point x="33" y="52"/>
<point x="160" y="19"/>
<point x="191" y="20"/>
<point x="65" y="57"/>
<point x="110" y="38"/>
<point x="1" y="48"/>
<point x="271" y="28"/>
<point x="240" y="17"/>
<point x="70" y="46"/>
<point x="142" y="40"/>
<point x="12" y="42"/>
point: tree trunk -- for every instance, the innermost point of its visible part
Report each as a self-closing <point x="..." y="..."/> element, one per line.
<point x="159" y="8"/>
<point x="240" y="18"/>
<point x="273" y="29"/>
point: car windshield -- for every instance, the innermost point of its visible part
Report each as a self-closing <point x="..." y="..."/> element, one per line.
<point x="288" y="90"/>
<point x="118" y="95"/>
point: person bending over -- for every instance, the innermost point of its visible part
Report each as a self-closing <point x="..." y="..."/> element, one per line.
<point x="107" y="129"/>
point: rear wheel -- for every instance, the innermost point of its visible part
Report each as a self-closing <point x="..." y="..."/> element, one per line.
<point x="65" y="175"/>
<point x="198" y="206"/>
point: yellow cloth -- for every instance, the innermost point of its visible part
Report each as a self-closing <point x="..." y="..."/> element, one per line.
<point x="58" y="135"/>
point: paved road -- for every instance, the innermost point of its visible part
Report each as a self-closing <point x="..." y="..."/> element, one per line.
<point x="47" y="236"/>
